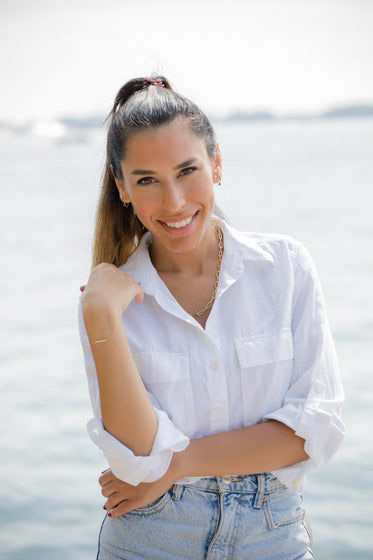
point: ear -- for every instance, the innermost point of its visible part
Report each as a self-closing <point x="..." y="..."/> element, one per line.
<point x="122" y="190"/>
<point x="217" y="165"/>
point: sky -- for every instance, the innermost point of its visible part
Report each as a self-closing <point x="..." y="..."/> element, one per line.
<point x="69" y="57"/>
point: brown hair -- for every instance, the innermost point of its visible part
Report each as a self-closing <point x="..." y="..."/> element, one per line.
<point x="137" y="106"/>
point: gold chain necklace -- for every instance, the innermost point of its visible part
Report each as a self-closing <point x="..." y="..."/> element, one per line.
<point x="220" y="258"/>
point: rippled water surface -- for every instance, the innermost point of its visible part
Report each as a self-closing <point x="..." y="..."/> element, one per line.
<point x="312" y="180"/>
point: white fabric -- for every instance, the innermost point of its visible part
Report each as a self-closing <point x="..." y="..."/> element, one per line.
<point x="266" y="353"/>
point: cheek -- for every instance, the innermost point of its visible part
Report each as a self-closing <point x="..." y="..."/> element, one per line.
<point x="202" y="184"/>
<point x="144" y="204"/>
<point x="204" y="190"/>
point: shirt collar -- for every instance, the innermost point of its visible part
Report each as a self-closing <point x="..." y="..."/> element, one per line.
<point x="141" y="268"/>
<point x="239" y="249"/>
<point x="242" y="248"/>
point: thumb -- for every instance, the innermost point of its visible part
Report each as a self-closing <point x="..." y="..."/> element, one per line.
<point x="139" y="296"/>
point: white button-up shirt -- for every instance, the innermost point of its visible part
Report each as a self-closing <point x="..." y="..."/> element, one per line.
<point x="266" y="353"/>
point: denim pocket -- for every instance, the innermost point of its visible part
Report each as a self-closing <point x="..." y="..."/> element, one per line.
<point x="282" y="507"/>
<point x="153" y="507"/>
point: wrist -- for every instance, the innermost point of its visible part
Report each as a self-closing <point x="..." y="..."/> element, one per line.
<point x="101" y="321"/>
<point x="178" y="466"/>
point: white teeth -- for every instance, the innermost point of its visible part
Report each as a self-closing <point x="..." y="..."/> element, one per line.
<point x="180" y="224"/>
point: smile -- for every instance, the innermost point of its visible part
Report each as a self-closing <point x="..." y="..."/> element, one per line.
<point x="178" y="225"/>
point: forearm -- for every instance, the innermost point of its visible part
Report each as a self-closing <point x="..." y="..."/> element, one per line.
<point x="260" y="448"/>
<point x="127" y="411"/>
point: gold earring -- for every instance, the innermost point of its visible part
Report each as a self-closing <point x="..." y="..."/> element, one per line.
<point x="217" y="176"/>
<point x="126" y="204"/>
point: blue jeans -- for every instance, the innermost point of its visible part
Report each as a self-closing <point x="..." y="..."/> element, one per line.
<point x="252" y="517"/>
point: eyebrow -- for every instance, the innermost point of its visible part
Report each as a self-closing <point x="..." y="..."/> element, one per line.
<point x="150" y="172"/>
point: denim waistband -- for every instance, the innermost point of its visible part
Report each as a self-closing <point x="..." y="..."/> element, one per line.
<point x="250" y="484"/>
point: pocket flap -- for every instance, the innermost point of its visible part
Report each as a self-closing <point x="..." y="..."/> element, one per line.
<point x="263" y="349"/>
<point x="162" y="367"/>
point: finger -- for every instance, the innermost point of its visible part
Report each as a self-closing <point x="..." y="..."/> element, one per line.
<point x="122" y="508"/>
<point x="113" y="501"/>
<point x="138" y="293"/>
<point x="105" y="477"/>
<point x="108" y="490"/>
<point x="139" y="297"/>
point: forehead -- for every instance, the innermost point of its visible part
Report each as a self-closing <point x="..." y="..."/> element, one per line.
<point x="172" y="142"/>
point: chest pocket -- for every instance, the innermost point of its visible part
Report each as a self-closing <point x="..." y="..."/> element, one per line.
<point x="266" y="363"/>
<point x="166" y="376"/>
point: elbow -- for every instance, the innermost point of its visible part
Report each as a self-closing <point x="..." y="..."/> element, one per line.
<point x="296" y="446"/>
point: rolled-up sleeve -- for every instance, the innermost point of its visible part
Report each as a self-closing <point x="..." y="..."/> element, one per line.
<point x="124" y="464"/>
<point x="312" y="405"/>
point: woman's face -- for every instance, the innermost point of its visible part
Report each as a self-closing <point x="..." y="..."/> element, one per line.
<point x="169" y="178"/>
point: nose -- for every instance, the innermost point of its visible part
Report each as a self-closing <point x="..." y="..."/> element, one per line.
<point x="172" y="196"/>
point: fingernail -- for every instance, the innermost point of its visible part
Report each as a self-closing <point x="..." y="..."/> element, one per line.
<point x="82" y="288"/>
<point x="109" y="515"/>
<point x="105" y="507"/>
<point x="102" y="472"/>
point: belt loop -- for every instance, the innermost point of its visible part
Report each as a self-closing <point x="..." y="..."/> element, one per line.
<point x="177" y="490"/>
<point x="260" y="491"/>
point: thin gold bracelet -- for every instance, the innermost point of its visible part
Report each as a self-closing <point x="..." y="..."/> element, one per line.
<point x="98" y="341"/>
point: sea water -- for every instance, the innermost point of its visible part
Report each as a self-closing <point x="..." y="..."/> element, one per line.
<point x="312" y="180"/>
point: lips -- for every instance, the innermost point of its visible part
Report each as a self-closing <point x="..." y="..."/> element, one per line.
<point x="181" y="224"/>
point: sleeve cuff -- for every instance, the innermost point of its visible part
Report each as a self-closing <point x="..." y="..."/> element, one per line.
<point x="317" y="421"/>
<point x="136" y="469"/>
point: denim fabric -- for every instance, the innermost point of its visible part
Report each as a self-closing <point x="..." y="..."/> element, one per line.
<point x="251" y="517"/>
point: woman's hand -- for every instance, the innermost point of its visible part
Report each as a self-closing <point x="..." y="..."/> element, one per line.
<point x="110" y="288"/>
<point x="123" y="497"/>
<point x="108" y="293"/>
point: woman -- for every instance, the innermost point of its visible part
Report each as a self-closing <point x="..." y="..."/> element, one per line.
<point x="211" y="368"/>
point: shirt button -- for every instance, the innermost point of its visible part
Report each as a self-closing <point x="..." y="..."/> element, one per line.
<point x="318" y="389"/>
<point x="214" y="366"/>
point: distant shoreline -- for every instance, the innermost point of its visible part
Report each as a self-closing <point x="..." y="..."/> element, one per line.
<point x="94" y="121"/>
<point x="345" y="112"/>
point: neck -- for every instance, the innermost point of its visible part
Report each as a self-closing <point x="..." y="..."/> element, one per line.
<point x="191" y="263"/>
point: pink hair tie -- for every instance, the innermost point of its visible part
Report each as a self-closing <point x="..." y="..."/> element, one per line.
<point x="152" y="82"/>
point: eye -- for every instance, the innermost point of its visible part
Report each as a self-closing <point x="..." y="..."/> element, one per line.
<point x="145" y="181"/>
<point x="188" y="170"/>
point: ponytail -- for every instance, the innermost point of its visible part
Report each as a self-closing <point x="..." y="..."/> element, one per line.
<point x="118" y="230"/>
